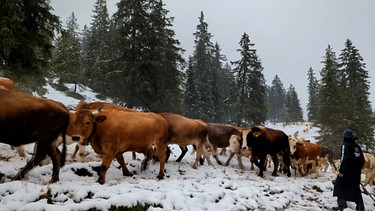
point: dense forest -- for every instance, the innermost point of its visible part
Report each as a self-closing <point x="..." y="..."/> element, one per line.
<point x="134" y="58"/>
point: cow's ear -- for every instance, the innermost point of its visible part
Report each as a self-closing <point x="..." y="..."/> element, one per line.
<point x="257" y="134"/>
<point x="100" y="119"/>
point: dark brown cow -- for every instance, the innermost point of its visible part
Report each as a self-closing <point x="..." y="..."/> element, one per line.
<point x="6" y="83"/>
<point x="184" y="131"/>
<point x="26" y="119"/>
<point x="262" y="141"/>
<point x="113" y="132"/>
<point x="220" y="136"/>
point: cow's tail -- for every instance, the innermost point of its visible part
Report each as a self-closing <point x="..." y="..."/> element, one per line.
<point x="63" y="155"/>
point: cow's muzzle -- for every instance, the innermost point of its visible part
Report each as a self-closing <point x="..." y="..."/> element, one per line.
<point x="76" y="138"/>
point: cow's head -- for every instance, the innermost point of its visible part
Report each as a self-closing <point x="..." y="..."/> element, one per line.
<point x="82" y="124"/>
<point x="293" y="143"/>
<point x="254" y="136"/>
<point x="234" y="144"/>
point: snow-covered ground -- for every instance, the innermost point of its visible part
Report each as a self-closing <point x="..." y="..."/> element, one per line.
<point x="183" y="188"/>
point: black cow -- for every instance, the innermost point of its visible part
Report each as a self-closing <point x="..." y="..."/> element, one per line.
<point x="26" y="119"/>
<point x="327" y="155"/>
<point x="262" y="141"/>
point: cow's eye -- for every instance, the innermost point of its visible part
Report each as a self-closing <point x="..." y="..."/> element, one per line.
<point x="87" y="123"/>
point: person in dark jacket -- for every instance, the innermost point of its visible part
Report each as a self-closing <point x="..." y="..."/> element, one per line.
<point x="347" y="185"/>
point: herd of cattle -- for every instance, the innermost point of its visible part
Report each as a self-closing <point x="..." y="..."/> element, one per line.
<point x="112" y="130"/>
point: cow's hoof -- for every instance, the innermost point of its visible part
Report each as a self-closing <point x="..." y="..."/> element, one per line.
<point x="160" y="177"/>
<point x="100" y="181"/>
<point x="127" y="174"/>
<point x="275" y="174"/>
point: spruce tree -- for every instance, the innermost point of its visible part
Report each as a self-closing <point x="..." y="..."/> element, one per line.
<point x="149" y="61"/>
<point x="250" y="86"/>
<point x="313" y="90"/>
<point x="293" y="105"/>
<point x="201" y="68"/>
<point x="358" y="113"/>
<point x="97" y="49"/>
<point x="330" y="115"/>
<point x="27" y="31"/>
<point x="276" y="101"/>
<point x="67" y="58"/>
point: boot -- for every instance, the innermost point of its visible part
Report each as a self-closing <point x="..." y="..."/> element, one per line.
<point x="342" y="204"/>
<point x="360" y="206"/>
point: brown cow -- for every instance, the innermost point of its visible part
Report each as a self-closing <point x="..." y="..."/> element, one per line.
<point x="219" y="136"/>
<point x="96" y="106"/>
<point x="26" y="119"/>
<point x="303" y="153"/>
<point x="113" y="132"/>
<point x="184" y="131"/>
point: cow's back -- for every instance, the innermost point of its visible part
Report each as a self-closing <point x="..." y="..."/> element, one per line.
<point x="130" y="131"/>
<point x="182" y="129"/>
<point x="102" y="105"/>
<point x="6" y="83"/>
<point x="23" y="118"/>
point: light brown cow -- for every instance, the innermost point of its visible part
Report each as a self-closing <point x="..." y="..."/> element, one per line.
<point x="369" y="168"/>
<point x="6" y="83"/>
<point x="303" y="153"/>
<point x="96" y="106"/>
<point x="26" y="119"/>
<point x="113" y="132"/>
<point x="184" y="131"/>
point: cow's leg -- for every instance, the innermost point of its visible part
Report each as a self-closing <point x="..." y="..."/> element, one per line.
<point x="55" y="155"/>
<point x="252" y="161"/>
<point x="161" y="148"/>
<point x="107" y="160"/>
<point x="229" y="159"/>
<point x="134" y="156"/>
<point x="286" y="162"/>
<point x="201" y="149"/>
<point x="315" y="166"/>
<point x="240" y="164"/>
<point x="214" y="154"/>
<point x="275" y="165"/>
<point x="39" y="155"/>
<point x="260" y="165"/>
<point x="73" y="157"/>
<point x="121" y="161"/>
<point x="183" y="153"/>
<point x="148" y="156"/>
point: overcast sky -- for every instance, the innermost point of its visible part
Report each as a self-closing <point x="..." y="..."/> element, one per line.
<point x="290" y="35"/>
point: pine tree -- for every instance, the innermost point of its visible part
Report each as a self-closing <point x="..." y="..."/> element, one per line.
<point x="250" y="86"/>
<point x="27" y="31"/>
<point x="191" y="107"/>
<point x="201" y="68"/>
<point x="67" y="60"/>
<point x="330" y="118"/>
<point x="97" y="51"/>
<point x="356" y="85"/>
<point x="276" y="101"/>
<point x="293" y="105"/>
<point x="149" y="61"/>
<point x="313" y="90"/>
